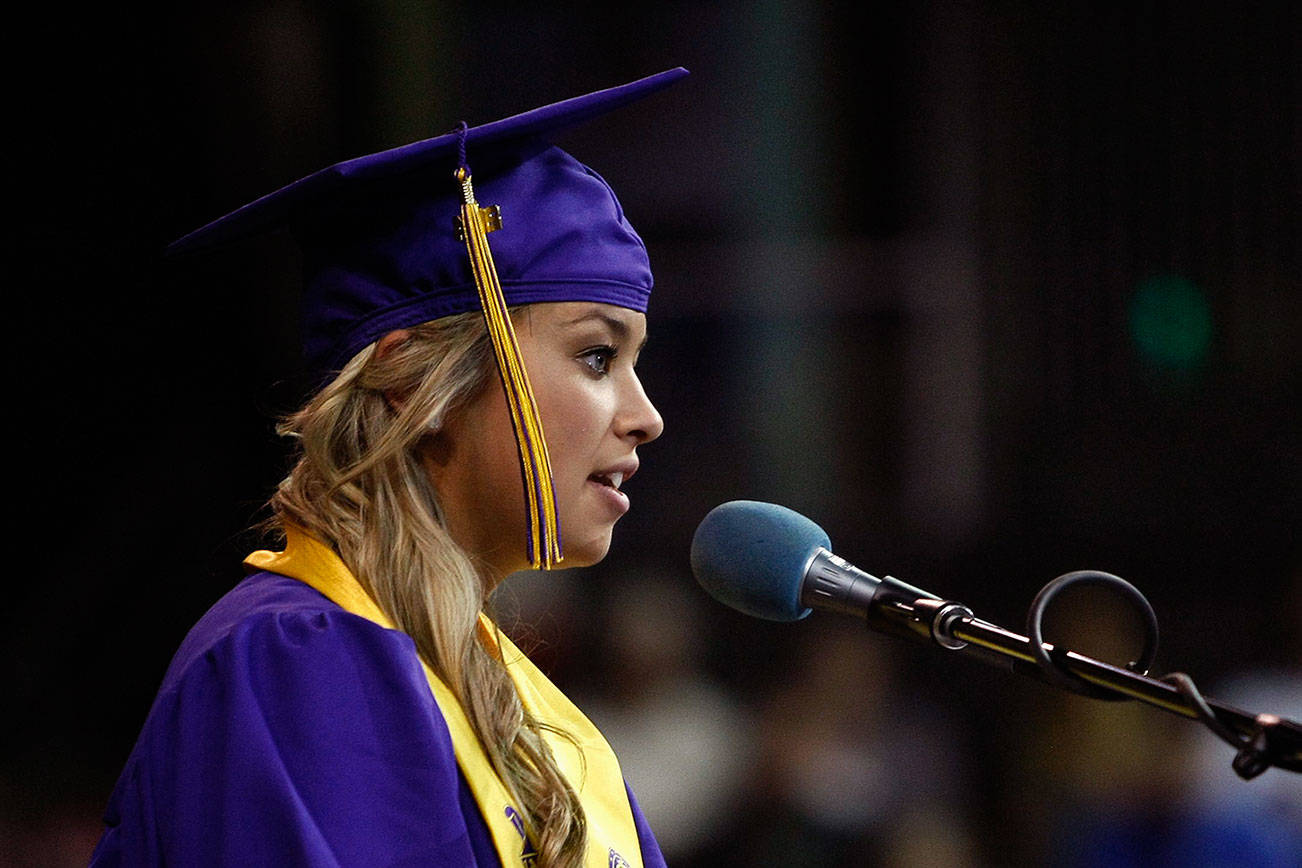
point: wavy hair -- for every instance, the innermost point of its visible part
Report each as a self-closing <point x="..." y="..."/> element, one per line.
<point x="358" y="484"/>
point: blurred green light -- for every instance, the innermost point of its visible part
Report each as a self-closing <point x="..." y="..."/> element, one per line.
<point x="1171" y="321"/>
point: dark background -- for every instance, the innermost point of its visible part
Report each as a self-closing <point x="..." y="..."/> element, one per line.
<point x="993" y="291"/>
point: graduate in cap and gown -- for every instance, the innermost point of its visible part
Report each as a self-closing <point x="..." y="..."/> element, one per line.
<point x="349" y="703"/>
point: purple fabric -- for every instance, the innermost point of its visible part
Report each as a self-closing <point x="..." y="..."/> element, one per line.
<point x="390" y="258"/>
<point x="290" y="732"/>
<point x="651" y="855"/>
<point x="379" y="238"/>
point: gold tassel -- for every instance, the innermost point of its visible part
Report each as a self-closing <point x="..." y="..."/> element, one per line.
<point x="544" y="535"/>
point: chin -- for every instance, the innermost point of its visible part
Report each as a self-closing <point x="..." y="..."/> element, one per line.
<point x="584" y="553"/>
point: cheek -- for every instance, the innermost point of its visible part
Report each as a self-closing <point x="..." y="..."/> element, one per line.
<point x="487" y="456"/>
<point x="567" y="403"/>
<point x="575" y="424"/>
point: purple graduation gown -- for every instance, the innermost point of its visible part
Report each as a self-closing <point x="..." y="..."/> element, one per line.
<point x="288" y="731"/>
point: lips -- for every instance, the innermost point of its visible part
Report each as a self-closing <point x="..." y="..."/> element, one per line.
<point x="611" y="478"/>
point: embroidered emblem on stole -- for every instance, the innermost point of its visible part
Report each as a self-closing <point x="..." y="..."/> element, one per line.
<point x="528" y="855"/>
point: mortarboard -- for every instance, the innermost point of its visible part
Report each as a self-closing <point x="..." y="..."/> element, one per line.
<point x="397" y="238"/>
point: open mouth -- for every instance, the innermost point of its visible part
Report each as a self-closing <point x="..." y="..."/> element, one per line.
<point x="610" y="480"/>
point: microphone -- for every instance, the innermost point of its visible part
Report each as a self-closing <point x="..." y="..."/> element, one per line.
<point x="771" y="562"/>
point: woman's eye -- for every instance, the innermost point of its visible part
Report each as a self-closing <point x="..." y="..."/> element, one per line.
<point x="599" y="359"/>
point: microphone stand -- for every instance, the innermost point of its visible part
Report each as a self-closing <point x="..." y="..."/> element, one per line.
<point x="1263" y="740"/>
<point x="892" y="606"/>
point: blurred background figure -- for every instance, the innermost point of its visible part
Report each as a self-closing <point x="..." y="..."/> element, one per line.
<point x="1222" y="821"/>
<point x="1219" y="820"/>
<point x="1113" y="784"/>
<point x="857" y="768"/>
<point x="690" y="746"/>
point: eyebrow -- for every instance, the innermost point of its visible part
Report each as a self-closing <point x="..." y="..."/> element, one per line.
<point x="618" y="326"/>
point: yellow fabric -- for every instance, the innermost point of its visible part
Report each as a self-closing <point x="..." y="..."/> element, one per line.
<point x="590" y="767"/>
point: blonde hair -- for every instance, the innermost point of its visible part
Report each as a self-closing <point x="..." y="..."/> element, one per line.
<point x="359" y="485"/>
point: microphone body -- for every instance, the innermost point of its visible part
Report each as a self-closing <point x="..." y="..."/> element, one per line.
<point x="833" y="583"/>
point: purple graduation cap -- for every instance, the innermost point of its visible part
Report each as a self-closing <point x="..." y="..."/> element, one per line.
<point x="379" y="233"/>
<point x="396" y="238"/>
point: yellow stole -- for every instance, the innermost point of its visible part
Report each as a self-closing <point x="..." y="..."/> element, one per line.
<point x="588" y="763"/>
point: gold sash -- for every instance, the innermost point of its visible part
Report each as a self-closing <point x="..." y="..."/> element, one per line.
<point x="588" y="764"/>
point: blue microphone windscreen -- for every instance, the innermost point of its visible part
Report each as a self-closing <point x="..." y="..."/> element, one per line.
<point x="752" y="556"/>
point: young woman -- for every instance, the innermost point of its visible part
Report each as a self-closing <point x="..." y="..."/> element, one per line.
<point x="348" y="703"/>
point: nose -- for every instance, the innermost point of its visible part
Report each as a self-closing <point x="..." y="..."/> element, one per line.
<point x="639" y="419"/>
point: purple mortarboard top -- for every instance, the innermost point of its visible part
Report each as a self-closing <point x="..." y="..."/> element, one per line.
<point x="380" y="242"/>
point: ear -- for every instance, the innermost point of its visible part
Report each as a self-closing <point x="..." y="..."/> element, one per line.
<point x="383" y="347"/>
<point x="389" y="341"/>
